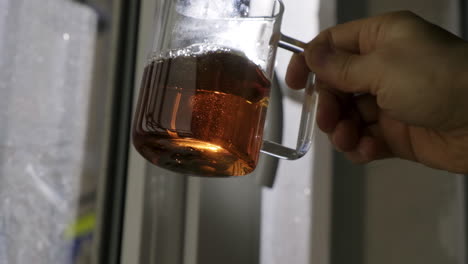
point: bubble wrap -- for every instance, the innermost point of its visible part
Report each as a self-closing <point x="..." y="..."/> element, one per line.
<point x="46" y="51"/>
<point x="213" y="8"/>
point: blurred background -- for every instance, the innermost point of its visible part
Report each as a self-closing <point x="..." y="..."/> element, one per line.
<point x="74" y="190"/>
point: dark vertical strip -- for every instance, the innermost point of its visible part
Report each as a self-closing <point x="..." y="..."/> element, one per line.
<point x="464" y="34"/>
<point x="349" y="10"/>
<point x="348" y="212"/>
<point x="464" y="18"/>
<point x="114" y="200"/>
<point x="349" y="182"/>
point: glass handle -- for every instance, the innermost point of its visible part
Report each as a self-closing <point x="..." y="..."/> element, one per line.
<point x="309" y="109"/>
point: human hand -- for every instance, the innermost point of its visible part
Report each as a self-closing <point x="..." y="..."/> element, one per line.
<point x="391" y="86"/>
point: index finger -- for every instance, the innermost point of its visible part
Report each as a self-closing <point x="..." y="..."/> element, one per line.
<point x="359" y="36"/>
<point x="297" y="72"/>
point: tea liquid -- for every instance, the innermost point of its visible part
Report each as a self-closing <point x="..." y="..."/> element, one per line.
<point x="202" y="113"/>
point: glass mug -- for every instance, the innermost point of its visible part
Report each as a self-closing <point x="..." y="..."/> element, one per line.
<point x="205" y="89"/>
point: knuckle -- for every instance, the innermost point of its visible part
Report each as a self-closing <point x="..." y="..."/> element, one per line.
<point x="402" y="23"/>
<point x="346" y="68"/>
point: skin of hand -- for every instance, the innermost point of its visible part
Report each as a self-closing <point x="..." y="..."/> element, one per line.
<point x="392" y="85"/>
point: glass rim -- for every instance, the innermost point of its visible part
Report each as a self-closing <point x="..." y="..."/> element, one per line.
<point x="276" y="16"/>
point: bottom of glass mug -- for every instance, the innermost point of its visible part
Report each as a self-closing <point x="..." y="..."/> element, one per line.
<point x="194" y="157"/>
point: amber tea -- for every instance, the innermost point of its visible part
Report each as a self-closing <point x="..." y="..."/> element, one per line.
<point x="202" y="113"/>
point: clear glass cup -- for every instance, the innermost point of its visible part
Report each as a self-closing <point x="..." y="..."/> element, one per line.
<point x="205" y="89"/>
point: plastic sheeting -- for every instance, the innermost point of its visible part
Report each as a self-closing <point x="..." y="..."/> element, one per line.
<point x="46" y="51"/>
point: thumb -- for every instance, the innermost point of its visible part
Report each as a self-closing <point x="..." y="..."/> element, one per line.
<point x="345" y="71"/>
